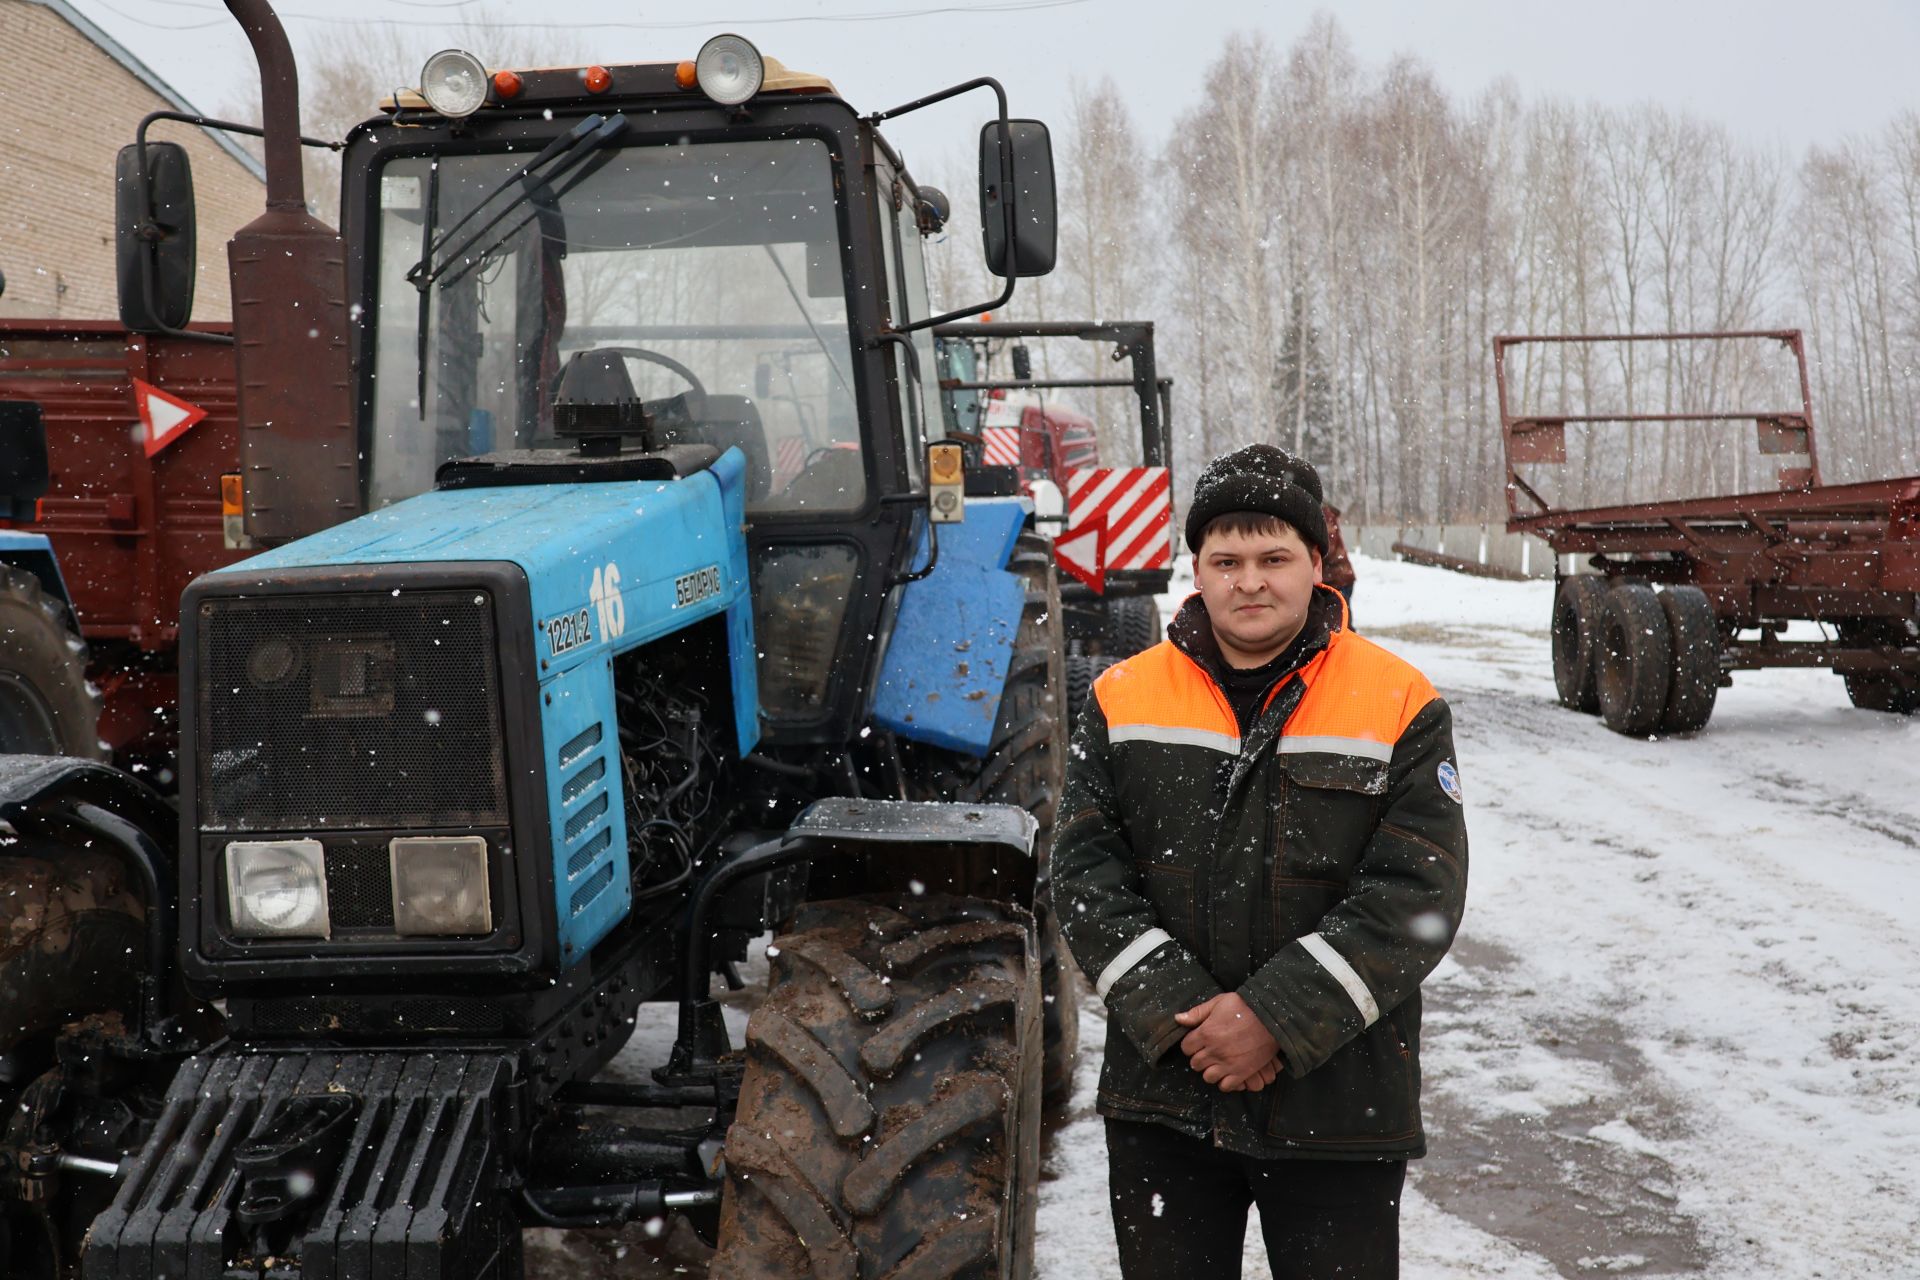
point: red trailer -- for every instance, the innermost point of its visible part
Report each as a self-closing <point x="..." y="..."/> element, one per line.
<point x="1682" y="592"/>
<point x="128" y="530"/>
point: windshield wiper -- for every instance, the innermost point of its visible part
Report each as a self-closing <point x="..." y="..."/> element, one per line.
<point x="556" y="158"/>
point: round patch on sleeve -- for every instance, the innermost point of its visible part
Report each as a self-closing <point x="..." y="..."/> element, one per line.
<point x="1450" y="781"/>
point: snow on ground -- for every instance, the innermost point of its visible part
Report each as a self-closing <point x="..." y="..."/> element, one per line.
<point x="1677" y="1033"/>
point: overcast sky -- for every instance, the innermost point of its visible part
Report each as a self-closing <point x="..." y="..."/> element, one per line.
<point x="1778" y="72"/>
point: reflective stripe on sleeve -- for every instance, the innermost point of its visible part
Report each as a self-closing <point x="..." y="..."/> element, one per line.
<point x="1130" y="955"/>
<point x="1365" y="748"/>
<point x="1334" y="963"/>
<point x="1176" y="737"/>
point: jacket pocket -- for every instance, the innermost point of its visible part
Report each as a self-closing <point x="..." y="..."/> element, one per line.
<point x="1329" y="806"/>
<point x="1364" y="1094"/>
<point x="1171" y="890"/>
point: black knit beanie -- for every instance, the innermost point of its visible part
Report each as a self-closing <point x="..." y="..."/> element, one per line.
<point x="1263" y="478"/>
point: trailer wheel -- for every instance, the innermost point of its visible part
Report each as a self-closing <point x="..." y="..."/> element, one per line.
<point x="1636" y="660"/>
<point x="1899" y="694"/>
<point x="1026" y="767"/>
<point x="889" y="1128"/>
<point x="47" y="707"/>
<point x="1696" y="659"/>
<point x="1577" y="605"/>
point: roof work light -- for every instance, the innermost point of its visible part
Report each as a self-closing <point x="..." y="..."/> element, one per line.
<point x="729" y="69"/>
<point x="454" y="83"/>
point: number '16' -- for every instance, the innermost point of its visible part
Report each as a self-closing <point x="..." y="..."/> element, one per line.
<point x="605" y="596"/>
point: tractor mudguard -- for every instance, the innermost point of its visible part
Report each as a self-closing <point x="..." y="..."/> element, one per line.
<point x="951" y="653"/>
<point x="38" y="789"/>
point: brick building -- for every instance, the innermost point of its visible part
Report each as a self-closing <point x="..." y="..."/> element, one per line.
<point x="60" y="128"/>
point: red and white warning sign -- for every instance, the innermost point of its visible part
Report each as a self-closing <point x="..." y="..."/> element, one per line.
<point x="1081" y="551"/>
<point x="1134" y="505"/>
<point x="163" y="417"/>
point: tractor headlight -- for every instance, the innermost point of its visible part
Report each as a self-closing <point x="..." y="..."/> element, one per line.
<point x="454" y="83"/>
<point x="729" y="69"/>
<point x="277" y="889"/>
<point x="440" y="886"/>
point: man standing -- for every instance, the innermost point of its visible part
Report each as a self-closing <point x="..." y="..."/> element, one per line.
<point x="1263" y="853"/>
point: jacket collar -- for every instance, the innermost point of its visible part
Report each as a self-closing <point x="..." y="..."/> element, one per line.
<point x="1191" y="632"/>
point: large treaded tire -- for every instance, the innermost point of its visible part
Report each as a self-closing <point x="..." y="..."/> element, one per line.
<point x="1577" y="603"/>
<point x="1026" y="767"/>
<point x="72" y="938"/>
<point x="1636" y="660"/>
<point x="1696" y="660"/>
<point x="889" y="1119"/>
<point x="1132" y="626"/>
<point x="1082" y="670"/>
<point x="47" y="707"/>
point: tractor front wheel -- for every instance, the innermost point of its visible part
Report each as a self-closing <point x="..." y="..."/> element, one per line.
<point x="889" y="1119"/>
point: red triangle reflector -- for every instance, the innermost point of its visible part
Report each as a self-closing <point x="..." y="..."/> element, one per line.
<point x="164" y="418"/>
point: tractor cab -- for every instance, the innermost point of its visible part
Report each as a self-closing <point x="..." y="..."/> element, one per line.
<point x="723" y="248"/>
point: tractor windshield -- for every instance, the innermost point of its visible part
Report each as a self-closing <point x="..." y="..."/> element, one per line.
<point x="705" y="280"/>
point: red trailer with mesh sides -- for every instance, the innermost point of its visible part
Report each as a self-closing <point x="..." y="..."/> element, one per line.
<point x="143" y="459"/>
<point x="1680" y="590"/>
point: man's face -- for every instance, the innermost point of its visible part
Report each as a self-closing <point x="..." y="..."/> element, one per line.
<point x="1256" y="587"/>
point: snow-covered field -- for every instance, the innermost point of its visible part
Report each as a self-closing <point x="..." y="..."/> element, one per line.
<point x="1677" y="1035"/>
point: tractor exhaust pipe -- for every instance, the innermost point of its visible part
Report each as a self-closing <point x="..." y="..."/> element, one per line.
<point x="299" y="459"/>
<point x="279" y="102"/>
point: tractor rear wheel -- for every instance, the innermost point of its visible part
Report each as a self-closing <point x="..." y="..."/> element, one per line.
<point x="1026" y="767"/>
<point x="47" y="708"/>
<point x="1576" y="629"/>
<point x="1696" y="659"/>
<point x="1636" y="660"/>
<point x="889" y="1119"/>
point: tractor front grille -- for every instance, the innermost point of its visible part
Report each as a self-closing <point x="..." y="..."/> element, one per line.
<point x="349" y="711"/>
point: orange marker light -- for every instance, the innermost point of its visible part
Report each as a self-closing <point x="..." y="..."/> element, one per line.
<point x="506" y="85"/>
<point x="685" y="75"/>
<point x="598" y="79"/>
<point x="232" y="499"/>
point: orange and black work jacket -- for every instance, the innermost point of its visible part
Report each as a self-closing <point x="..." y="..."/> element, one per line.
<point x="1316" y="864"/>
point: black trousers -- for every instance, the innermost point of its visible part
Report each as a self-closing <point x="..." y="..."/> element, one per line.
<point x="1180" y="1210"/>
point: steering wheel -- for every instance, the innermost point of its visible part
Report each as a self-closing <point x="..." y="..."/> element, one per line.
<point x="696" y="403"/>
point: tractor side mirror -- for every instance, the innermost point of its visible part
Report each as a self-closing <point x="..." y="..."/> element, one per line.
<point x="154" y="245"/>
<point x="1030" y="249"/>
<point x="24" y="474"/>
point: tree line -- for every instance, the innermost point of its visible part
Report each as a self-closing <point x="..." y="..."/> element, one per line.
<point x="1329" y="249"/>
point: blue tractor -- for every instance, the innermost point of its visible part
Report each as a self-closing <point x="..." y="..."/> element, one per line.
<point x="619" y="605"/>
